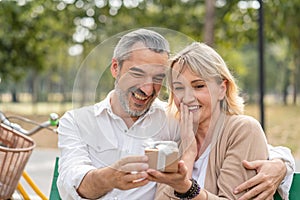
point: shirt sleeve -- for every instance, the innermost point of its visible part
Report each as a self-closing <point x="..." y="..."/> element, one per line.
<point x="74" y="161"/>
<point x="284" y="154"/>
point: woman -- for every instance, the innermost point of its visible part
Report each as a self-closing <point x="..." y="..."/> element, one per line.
<point x="215" y="135"/>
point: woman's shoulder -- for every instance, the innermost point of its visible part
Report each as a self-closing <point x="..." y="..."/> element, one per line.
<point x="243" y="126"/>
<point x="242" y="120"/>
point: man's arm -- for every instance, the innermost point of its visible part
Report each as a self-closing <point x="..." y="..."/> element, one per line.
<point x="273" y="174"/>
<point x="285" y="155"/>
<point x="263" y="186"/>
<point x="93" y="181"/>
<point x="79" y="177"/>
<point x="99" y="182"/>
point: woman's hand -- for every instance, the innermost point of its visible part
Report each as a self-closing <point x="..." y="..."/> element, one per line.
<point x="178" y="180"/>
<point x="188" y="141"/>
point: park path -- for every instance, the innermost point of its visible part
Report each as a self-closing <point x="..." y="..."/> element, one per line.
<point x="40" y="168"/>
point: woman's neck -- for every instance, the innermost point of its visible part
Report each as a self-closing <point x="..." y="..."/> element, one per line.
<point x="205" y="132"/>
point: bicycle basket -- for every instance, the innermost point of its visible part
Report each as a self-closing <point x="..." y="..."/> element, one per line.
<point x="15" y="150"/>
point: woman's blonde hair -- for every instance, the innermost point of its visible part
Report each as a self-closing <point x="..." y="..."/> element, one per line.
<point x="208" y="64"/>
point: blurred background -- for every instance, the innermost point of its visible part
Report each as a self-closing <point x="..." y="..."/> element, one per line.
<point x="43" y="43"/>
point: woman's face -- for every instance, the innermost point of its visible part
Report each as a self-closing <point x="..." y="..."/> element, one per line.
<point x="202" y="97"/>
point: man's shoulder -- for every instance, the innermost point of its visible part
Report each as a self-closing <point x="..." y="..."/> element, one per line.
<point x="81" y="109"/>
<point x="81" y="112"/>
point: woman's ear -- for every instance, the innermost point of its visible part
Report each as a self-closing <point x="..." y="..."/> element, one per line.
<point x="114" y="68"/>
<point x="223" y="89"/>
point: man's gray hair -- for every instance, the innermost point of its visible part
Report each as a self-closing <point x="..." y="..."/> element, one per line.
<point x="150" y="39"/>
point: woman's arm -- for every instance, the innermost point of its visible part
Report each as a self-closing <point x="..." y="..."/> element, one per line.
<point x="242" y="139"/>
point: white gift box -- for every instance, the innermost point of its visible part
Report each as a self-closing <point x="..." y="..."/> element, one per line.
<point x="163" y="155"/>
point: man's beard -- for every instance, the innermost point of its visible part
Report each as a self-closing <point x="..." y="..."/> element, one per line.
<point x="124" y="101"/>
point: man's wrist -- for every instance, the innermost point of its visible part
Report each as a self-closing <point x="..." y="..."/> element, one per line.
<point x="89" y="187"/>
<point x="283" y="164"/>
<point x="107" y="175"/>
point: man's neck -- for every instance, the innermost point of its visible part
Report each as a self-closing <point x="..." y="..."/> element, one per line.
<point x="119" y="111"/>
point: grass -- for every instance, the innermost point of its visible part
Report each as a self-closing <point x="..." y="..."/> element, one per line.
<point x="38" y="113"/>
<point x="282" y="123"/>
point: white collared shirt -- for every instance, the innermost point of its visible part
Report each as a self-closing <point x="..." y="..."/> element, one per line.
<point x="94" y="137"/>
<point x="285" y="154"/>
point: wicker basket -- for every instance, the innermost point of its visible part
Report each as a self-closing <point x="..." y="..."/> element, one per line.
<point x="15" y="150"/>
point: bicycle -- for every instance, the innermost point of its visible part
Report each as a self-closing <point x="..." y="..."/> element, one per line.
<point x="15" y="150"/>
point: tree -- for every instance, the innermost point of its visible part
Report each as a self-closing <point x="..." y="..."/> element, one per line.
<point x="287" y="27"/>
<point x="45" y="33"/>
<point x="209" y="22"/>
<point x="31" y="33"/>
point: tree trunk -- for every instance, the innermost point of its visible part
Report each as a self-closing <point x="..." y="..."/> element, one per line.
<point x="286" y="83"/>
<point x="33" y="85"/>
<point x="209" y="22"/>
<point x="296" y="79"/>
<point x="14" y="95"/>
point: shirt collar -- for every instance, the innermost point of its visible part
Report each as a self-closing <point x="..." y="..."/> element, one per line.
<point x="103" y="105"/>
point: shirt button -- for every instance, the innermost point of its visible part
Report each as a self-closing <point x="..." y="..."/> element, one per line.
<point x="125" y="131"/>
<point x="115" y="198"/>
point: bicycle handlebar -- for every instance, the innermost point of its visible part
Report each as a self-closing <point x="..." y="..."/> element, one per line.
<point x="53" y="121"/>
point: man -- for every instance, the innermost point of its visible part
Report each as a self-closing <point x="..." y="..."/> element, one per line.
<point x="102" y="145"/>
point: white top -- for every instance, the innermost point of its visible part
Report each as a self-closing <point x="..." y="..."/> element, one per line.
<point x="94" y="137"/>
<point x="200" y="166"/>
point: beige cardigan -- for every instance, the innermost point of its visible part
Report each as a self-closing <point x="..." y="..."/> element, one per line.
<point x="242" y="138"/>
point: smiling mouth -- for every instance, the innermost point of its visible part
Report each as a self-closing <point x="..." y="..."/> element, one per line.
<point x="193" y="108"/>
<point x="140" y="97"/>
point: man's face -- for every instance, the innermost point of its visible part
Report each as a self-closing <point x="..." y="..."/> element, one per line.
<point x="139" y="80"/>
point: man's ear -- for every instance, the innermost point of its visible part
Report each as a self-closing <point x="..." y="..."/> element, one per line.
<point x="114" y="68"/>
<point x="223" y="89"/>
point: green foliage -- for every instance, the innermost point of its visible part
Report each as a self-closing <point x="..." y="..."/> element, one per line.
<point x="36" y="37"/>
